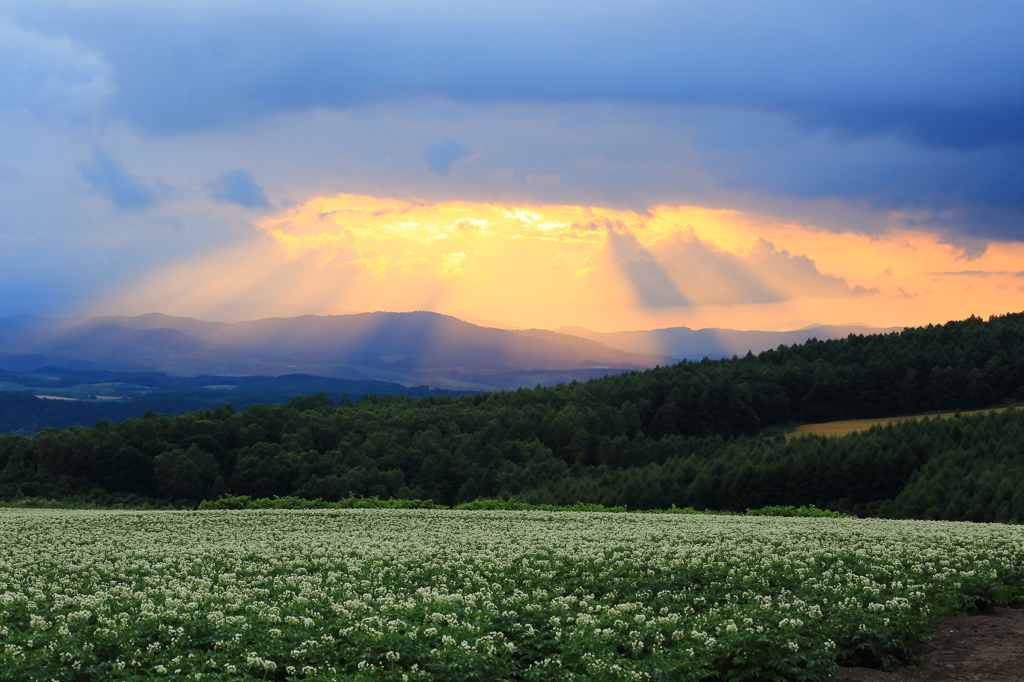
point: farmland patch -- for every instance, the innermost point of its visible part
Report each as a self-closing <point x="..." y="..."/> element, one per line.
<point x="481" y="595"/>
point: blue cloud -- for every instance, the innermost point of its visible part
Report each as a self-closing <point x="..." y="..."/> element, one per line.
<point x="915" y="106"/>
<point x="50" y="77"/>
<point x="108" y="176"/>
<point x="944" y="73"/>
<point x="441" y="157"/>
<point x="238" y="187"/>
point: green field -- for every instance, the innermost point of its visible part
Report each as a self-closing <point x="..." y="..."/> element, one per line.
<point x="480" y="595"/>
<point x="98" y="391"/>
<point x="841" y="428"/>
<point x="87" y="391"/>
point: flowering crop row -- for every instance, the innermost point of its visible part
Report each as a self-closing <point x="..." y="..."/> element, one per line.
<point x="367" y="594"/>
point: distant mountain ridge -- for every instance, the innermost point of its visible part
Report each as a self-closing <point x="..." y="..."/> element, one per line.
<point x="683" y="343"/>
<point x="417" y="348"/>
<point x="411" y="348"/>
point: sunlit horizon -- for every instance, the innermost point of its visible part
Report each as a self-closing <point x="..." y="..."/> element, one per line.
<point x="550" y="266"/>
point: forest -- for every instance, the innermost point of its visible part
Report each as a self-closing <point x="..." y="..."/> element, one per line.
<point x="703" y="434"/>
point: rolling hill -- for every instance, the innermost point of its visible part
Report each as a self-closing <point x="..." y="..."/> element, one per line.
<point x="409" y="348"/>
<point x="683" y="343"/>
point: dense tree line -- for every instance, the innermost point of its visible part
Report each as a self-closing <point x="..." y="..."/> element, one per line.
<point x="968" y="468"/>
<point x="691" y="434"/>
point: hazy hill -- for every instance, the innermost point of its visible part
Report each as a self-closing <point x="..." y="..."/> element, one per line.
<point x="419" y="347"/>
<point x="410" y="348"/>
<point x="397" y="339"/>
<point x="110" y="343"/>
<point x="683" y="343"/>
<point x="21" y="331"/>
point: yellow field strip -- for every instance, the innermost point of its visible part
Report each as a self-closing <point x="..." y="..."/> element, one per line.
<point x="844" y="427"/>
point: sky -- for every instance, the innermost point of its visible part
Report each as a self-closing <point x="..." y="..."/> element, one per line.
<point x="611" y="165"/>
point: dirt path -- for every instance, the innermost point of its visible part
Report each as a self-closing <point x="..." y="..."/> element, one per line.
<point x="983" y="648"/>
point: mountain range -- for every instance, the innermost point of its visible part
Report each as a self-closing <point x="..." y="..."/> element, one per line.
<point x="417" y="348"/>
<point x="683" y="343"/>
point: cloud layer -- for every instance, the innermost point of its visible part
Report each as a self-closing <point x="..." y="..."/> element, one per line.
<point x="133" y="134"/>
<point x="944" y="73"/>
<point x="534" y="266"/>
<point x="913" y="107"/>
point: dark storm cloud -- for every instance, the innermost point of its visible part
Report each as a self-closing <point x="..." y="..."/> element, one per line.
<point x="109" y="177"/>
<point x="914" y="107"/>
<point x="947" y="74"/>
<point x="239" y="188"/>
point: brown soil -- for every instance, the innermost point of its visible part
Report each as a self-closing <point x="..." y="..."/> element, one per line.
<point x="983" y="648"/>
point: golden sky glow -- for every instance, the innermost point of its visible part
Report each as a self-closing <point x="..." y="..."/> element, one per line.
<point x="607" y="270"/>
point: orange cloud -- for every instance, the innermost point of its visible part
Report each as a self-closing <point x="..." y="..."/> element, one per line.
<point x="548" y="266"/>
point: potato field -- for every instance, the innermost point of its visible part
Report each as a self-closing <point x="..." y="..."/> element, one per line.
<point x="404" y="595"/>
